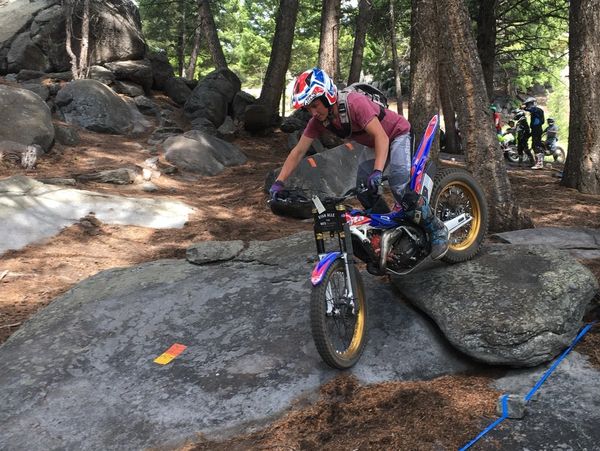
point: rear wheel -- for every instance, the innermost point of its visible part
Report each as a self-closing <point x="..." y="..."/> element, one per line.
<point x="455" y="192"/>
<point x="338" y="323"/>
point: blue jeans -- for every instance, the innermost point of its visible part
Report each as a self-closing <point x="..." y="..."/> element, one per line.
<point x="398" y="165"/>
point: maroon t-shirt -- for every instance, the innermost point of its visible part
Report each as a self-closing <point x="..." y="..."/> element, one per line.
<point x="361" y="111"/>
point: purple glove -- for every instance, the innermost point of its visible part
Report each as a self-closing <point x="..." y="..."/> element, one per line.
<point x="276" y="188"/>
<point x="374" y="181"/>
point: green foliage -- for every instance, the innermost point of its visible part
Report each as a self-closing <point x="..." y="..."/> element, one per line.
<point x="557" y="107"/>
<point x="532" y="41"/>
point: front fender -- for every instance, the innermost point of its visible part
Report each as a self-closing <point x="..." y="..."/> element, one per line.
<point x="316" y="277"/>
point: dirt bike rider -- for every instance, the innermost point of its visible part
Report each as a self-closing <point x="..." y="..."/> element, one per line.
<point x="551" y="133"/>
<point x="383" y="130"/>
<point x="497" y="119"/>
<point x="507" y="136"/>
<point x="536" y="123"/>
<point x="523" y="134"/>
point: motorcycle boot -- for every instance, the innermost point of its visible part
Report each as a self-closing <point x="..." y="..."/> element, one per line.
<point x="418" y="211"/>
<point x="530" y="156"/>
<point x="539" y="162"/>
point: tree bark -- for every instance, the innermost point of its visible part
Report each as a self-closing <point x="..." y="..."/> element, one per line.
<point x="181" y="39"/>
<point x="452" y="144"/>
<point x="582" y="168"/>
<point x="79" y="61"/>
<point x="191" y="67"/>
<point x="483" y="155"/>
<point x="423" y="68"/>
<point x="395" y="60"/>
<point x="85" y="40"/>
<point x="486" y="42"/>
<point x="210" y="34"/>
<point x="365" y="9"/>
<point x="330" y="32"/>
<point x="279" y="61"/>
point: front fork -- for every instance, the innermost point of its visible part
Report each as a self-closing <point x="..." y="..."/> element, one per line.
<point x="327" y="259"/>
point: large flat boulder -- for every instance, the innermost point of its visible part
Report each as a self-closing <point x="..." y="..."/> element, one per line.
<point x="31" y="211"/>
<point x="516" y="305"/>
<point x="581" y="242"/>
<point x="81" y="372"/>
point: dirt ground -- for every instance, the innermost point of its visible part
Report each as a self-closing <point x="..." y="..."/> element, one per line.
<point x="440" y="414"/>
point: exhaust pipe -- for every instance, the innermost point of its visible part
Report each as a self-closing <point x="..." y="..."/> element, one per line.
<point x="387" y="238"/>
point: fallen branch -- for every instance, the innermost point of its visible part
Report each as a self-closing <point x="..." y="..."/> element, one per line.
<point x="4" y="273"/>
<point x="10" y="325"/>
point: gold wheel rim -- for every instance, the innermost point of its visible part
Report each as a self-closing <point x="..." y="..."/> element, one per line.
<point x="474" y="210"/>
<point x="359" y="329"/>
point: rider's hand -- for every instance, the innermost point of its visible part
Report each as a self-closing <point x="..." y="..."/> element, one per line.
<point x="276" y="188"/>
<point x="374" y="181"/>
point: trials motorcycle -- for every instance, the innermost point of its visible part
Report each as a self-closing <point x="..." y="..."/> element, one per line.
<point x="388" y="244"/>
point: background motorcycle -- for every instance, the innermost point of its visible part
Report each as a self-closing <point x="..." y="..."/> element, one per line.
<point x="510" y="152"/>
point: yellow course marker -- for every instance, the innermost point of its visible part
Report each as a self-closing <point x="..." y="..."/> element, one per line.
<point x="170" y="354"/>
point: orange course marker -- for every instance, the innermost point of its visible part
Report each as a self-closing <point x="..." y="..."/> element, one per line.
<point x="170" y="354"/>
<point x="312" y="162"/>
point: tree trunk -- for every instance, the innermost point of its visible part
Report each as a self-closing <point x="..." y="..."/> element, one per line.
<point x="395" y="60"/>
<point x="483" y="155"/>
<point x="79" y="62"/>
<point x="486" y="42"/>
<point x="181" y="39"/>
<point x="68" y="12"/>
<point x="85" y="40"/>
<point x="452" y="143"/>
<point x="582" y="168"/>
<point x="423" y="68"/>
<point x="330" y="32"/>
<point x="365" y="9"/>
<point x="279" y="61"/>
<point x="210" y="34"/>
<point x="191" y="68"/>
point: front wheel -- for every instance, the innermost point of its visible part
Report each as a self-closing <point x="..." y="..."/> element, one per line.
<point x="338" y="322"/>
<point x="511" y="154"/>
<point x="456" y="192"/>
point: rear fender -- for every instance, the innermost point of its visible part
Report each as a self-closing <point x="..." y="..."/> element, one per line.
<point x="318" y="272"/>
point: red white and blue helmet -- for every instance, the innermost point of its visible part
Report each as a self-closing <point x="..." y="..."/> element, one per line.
<point x="311" y="84"/>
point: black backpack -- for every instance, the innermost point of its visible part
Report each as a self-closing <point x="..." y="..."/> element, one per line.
<point x="365" y="89"/>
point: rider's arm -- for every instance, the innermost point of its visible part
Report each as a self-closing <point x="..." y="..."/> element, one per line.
<point x="294" y="157"/>
<point x="382" y="142"/>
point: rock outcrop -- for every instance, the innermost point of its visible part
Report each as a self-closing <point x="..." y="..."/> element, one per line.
<point x="32" y="34"/>
<point x="516" y="305"/>
<point x="92" y="105"/>
<point x="25" y="118"/>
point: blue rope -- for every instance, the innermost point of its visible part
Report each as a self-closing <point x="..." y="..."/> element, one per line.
<point x="532" y="391"/>
<point x="491" y="426"/>
<point x="555" y="364"/>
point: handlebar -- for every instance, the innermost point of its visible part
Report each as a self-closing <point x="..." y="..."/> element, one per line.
<point x="299" y="195"/>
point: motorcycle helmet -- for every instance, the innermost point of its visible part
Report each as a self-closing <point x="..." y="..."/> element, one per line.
<point x="312" y="84"/>
<point x="493" y="108"/>
<point x="530" y="101"/>
<point x="550" y="121"/>
<point x="518" y="114"/>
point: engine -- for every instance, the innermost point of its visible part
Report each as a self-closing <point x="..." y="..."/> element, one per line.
<point x="407" y="250"/>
